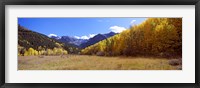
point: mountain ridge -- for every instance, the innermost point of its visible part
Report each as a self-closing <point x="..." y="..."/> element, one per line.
<point x="82" y="43"/>
<point x="97" y="38"/>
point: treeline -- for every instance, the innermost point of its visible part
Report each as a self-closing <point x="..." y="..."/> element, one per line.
<point x="41" y="51"/>
<point x="154" y="37"/>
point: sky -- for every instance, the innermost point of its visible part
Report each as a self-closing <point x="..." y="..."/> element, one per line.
<point x="81" y="28"/>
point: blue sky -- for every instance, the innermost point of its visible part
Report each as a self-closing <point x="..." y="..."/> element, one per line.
<point x="78" y="27"/>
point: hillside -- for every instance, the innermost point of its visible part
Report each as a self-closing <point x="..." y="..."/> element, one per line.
<point x="29" y="39"/>
<point x="155" y="37"/>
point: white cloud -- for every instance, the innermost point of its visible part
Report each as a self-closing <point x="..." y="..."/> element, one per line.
<point x="77" y="37"/>
<point x="133" y="21"/>
<point x="50" y="35"/>
<point x="85" y="37"/>
<point x="117" y="29"/>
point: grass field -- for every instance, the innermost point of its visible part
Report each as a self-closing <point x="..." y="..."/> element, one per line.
<point x="85" y="62"/>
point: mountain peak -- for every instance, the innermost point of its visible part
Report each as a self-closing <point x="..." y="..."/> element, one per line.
<point x="81" y="41"/>
<point x="110" y="34"/>
<point x="97" y="38"/>
<point x="72" y="40"/>
<point x="50" y="35"/>
<point x="54" y="36"/>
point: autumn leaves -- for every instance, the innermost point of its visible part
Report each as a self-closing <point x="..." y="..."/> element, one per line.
<point x="154" y="37"/>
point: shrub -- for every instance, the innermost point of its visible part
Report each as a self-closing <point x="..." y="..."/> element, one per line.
<point x="179" y="67"/>
<point x="65" y="52"/>
<point x="41" y="56"/>
<point x="175" y="62"/>
<point x="100" y="53"/>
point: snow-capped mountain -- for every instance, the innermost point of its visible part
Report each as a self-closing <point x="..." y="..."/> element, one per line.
<point x="54" y="36"/>
<point x="96" y="39"/>
<point x="72" y="40"/>
<point x="82" y="42"/>
<point x="68" y="39"/>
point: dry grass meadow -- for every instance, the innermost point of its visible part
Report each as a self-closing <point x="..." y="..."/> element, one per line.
<point x="86" y="62"/>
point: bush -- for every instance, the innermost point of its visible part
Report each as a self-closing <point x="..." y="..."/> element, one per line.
<point x="41" y="56"/>
<point x="175" y="62"/>
<point x="100" y="53"/>
<point x="179" y="67"/>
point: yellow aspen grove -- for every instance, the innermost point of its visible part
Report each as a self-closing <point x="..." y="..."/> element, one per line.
<point x="154" y="37"/>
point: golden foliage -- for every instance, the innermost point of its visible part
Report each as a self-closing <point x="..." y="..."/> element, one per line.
<point x="155" y="36"/>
